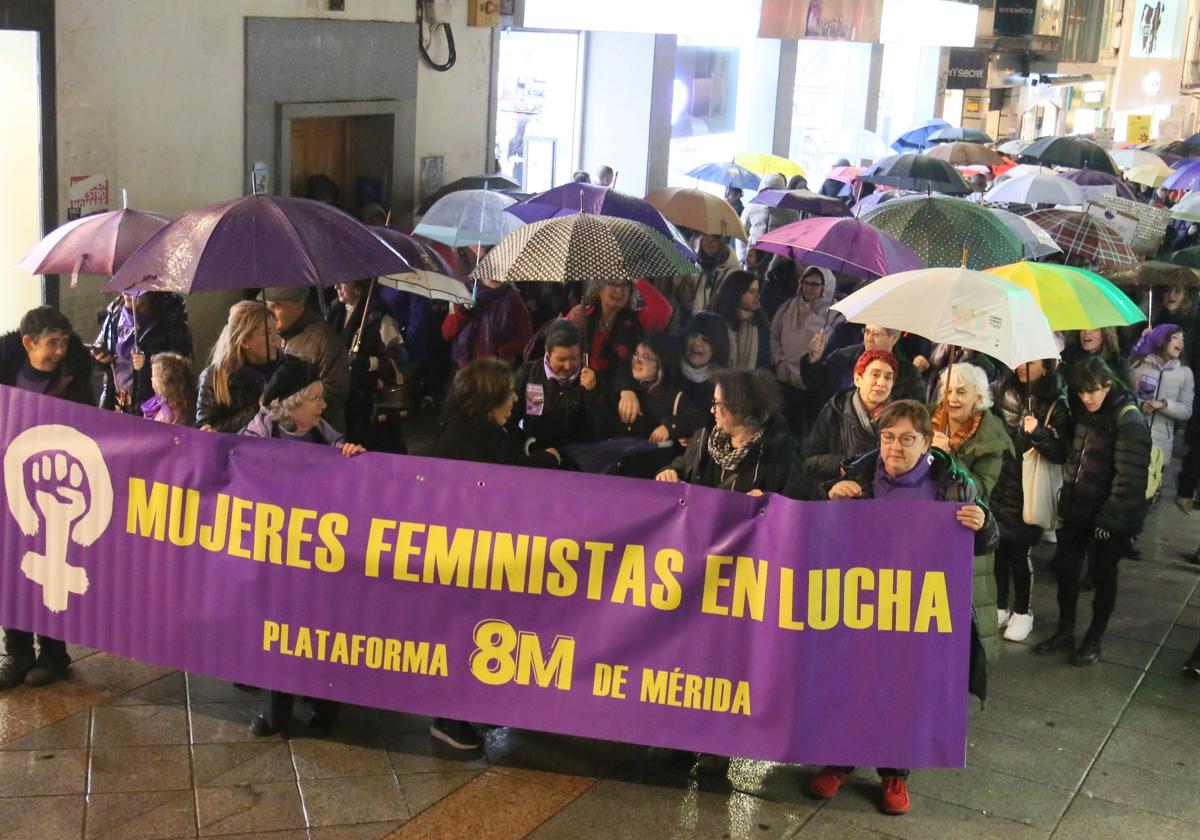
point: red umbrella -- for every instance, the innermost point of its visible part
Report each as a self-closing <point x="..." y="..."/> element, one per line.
<point x="97" y="244"/>
<point x="1080" y="235"/>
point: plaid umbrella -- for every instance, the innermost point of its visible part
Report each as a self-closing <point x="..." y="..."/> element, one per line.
<point x="582" y="248"/>
<point x="939" y="229"/>
<point x="1083" y="237"/>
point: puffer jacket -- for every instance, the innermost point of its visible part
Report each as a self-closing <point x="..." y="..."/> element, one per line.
<point x="1104" y="485"/>
<point x="759" y="219"/>
<point x="1171" y="382"/>
<point x="981" y="457"/>
<point x="1051" y="440"/>
<point x="794" y="326"/>
<point x="837" y="434"/>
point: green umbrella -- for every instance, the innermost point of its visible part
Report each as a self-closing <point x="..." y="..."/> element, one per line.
<point x="942" y="231"/>
<point x="1189" y="257"/>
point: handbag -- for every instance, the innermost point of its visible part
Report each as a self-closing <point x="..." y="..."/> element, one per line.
<point x="1041" y="481"/>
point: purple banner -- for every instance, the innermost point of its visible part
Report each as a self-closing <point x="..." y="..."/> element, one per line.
<point x="677" y="616"/>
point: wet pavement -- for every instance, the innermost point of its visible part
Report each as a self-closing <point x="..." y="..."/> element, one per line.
<point x="127" y="750"/>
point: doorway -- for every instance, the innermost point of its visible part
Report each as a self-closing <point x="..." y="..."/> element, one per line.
<point x="343" y="160"/>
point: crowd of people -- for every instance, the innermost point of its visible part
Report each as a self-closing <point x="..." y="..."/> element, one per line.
<point x="739" y="378"/>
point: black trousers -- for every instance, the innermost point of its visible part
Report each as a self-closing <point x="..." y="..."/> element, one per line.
<point x="1073" y="544"/>
<point x="19" y="645"/>
<point x="1014" y="562"/>
<point x="277" y="709"/>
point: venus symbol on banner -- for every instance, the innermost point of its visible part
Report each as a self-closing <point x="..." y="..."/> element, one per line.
<point x="57" y="476"/>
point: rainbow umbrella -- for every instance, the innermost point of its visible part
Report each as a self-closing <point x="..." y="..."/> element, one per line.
<point x="1072" y="298"/>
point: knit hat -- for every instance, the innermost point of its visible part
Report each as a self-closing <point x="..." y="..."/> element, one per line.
<point x="291" y="377"/>
<point x="1154" y="341"/>
<point x="866" y="358"/>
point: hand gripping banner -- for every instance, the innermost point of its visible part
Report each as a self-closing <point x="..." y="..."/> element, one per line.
<point x="629" y="610"/>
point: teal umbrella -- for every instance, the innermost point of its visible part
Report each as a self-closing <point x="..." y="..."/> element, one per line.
<point x="948" y="232"/>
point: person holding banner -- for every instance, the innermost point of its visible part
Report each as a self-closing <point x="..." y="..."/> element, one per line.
<point x="44" y="356"/>
<point x="292" y="404"/>
<point x="749" y="450"/>
<point x="905" y="467"/>
<point x="241" y="362"/>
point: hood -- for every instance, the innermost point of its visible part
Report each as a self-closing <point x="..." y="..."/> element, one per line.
<point x="712" y="326"/>
<point x="821" y="304"/>
<point x="772" y="181"/>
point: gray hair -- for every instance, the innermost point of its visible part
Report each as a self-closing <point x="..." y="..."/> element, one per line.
<point x="280" y="411"/>
<point x="970" y="375"/>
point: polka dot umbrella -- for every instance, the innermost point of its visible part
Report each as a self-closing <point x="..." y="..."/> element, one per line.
<point x="940" y="229"/>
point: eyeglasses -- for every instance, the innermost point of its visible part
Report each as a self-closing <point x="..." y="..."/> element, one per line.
<point x="907" y="439"/>
<point x="720" y="405"/>
<point x="645" y="360"/>
<point x="813" y="284"/>
<point x="619" y="286"/>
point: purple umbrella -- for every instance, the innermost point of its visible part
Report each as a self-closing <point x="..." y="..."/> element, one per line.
<point x="1185" y="177"/>
<point x="569" y="199"/>
<point x="847" y="246"/>
<point x="802" y="201"/>
<point x="1094" y="178"/>
<point x="258" y="241"/>
<point x="97" y="244"/>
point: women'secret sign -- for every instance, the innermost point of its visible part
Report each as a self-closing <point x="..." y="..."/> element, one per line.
<point x="589" y="605"/>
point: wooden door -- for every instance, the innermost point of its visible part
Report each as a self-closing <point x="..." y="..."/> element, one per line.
<point x="319" y="148"/>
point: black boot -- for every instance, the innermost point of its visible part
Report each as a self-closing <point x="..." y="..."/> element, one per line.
<point x="20" y="659"/>
<point x="52" y="663"/>
<point x="1192" y="667"/>
<point x="1088" y="653"/>
<point x="1063" y="640"/>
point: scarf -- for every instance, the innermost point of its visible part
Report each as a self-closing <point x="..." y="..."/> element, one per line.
<point x="156" y="408"/>
<point x="965" y="432"/>
<point x="720" y="449"/>
<point x="866" y="416"/>
<point x="696" y="374"/>
<point x="552" y="378"/>
<point x="916" y="484"/>
<point x="744" y="343"/>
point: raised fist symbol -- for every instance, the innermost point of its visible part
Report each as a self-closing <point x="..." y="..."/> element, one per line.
<point x="56" y="476"/>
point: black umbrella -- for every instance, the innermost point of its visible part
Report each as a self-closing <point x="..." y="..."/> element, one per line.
<point x="917" y="172"/>
<point x="1179" y="148"/>
<point x="1072" y="152"/>
<point x="496" y="183"/>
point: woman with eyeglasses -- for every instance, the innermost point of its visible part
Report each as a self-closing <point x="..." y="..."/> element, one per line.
<point x="611" y="327"/>
<point x="749" y="449"/>
<point x="666" y="411"/>
<point x="905" y="467"/>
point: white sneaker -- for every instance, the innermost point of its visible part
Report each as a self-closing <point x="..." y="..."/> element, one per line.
<point x="1019" y="627"/>
<point x="1002" y="617"/>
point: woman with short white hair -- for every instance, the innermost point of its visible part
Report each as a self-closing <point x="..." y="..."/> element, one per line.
<point x="965" y="429"/>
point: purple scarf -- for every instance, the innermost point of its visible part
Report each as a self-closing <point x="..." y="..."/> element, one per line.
<point x="156" y="408"/>
<point x="917" y="484"/>
<point x="550" y="374"/>
<point x="493" y="315"/>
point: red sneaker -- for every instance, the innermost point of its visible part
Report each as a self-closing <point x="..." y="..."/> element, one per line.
<point x="829" y="781"/>
<point x="895" y="798"/>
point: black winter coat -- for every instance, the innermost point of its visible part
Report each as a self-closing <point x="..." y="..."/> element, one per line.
<point x="1106" y="474"/>
<point x="167" y="333"/>
<point x="667" y="406"/>
<point x="837" y="434"/>
<point x="835" y="372"/>
<point x="767" y="467"/>
<point x="554" y="413"/>
<point x="484" y="442"/>
<point x="1051" y="439"/>
<point x="72" y="380"/>
<point x="245" y="391"/>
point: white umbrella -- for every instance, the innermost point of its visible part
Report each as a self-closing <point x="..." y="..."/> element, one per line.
<point x="469" y="217"/>
<point x="1039" y="188"/>
<point x="959" y="307"/>
<point x="1129" y="158"/>
<point x="1022" y="169"/>
<point x="1188" y="208"/>
<point x="1035" y="242"/>
<point x="430" y="284"/>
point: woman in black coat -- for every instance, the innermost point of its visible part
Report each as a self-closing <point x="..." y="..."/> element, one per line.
<point x="137" y="327"/>
<point x="1034" y="409"/>
<point x="1103" y="502"/>
<point x="243" y="359"/>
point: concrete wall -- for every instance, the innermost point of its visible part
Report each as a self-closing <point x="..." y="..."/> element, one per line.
<point x="151" y="94"/>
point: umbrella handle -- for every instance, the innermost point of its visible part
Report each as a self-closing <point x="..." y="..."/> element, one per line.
<point x="363" y="322"/>
<point x="946" y="391"/>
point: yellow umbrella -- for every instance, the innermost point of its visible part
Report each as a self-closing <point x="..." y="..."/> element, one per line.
<point x="1148" y="174"/>
<point x="762" y="163"/>
<point x="698" y="210"/>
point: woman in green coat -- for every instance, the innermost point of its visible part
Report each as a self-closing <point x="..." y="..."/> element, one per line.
<point x="966" y="429"/>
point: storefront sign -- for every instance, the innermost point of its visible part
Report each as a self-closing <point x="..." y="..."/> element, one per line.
<point x="1015" y="18"/>
<point x="1156" y="27"/>
<point x="968" y="69"/>
<point x="605" y="607"/>
<point x="1137" y="128"/>
<point x="87" y="194"/>
<point x="837" y="20"/>
<point x="1141" y="225"/>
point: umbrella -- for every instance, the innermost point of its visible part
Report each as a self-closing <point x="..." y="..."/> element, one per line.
<point x="1155" y="273"/>
<point x="1177" y="148"/>
<point x="938" y="229"/>
<point x="1012" y="147"/>
<point x="1035" y="242"/>
<point x="762" y="163"/>
<point x="1129" y="158"/>
<point x="966" y="154"/>
<point x="1082" y="236"/>
<point x="583" y="248"/>
<point x="469" y="217"/>
<point x="697" y="210"/>
<point x="865" y="205"/>
<point x="98" y="244"/>
<point x="1072" y="298"/>
<point x="917" y="172"/>
<point x="1186" y="177"/>
<point x="1023" y="169"/>
<point x="802" y="201"/>
<point x="570" y="199"/>
<point x="845" y="174"/>
<point x="1188" y="208"/>
<point x="1189" y="257"/>
<point x="431" y="277"/>
<point x="955" y="134"/>
<point x="727" y="174"/>
<point x="1035" y="189"/>
<point x="1092" y="178"/>
<point x="258" y="241"/>
<point x="917" y="137"/>
<point x="959" y="307"/>
<point x="496" y="182"/>
<point x="1071" y="152"/>
<point x="847" y="246"/>
<point x="1148" y="174"/>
